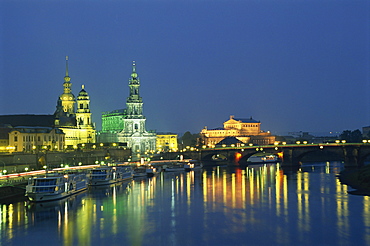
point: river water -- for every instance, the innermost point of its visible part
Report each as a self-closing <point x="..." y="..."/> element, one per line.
<point x="250" y="205"/>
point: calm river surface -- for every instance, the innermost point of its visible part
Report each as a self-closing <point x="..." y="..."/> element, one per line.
<point x="254" y="205"/>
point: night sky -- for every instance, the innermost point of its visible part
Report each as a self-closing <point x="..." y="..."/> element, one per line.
<point x="294" y="65"/>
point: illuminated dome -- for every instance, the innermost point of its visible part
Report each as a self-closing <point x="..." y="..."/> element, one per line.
<point x="67" y="97"/>
<point x="83" y="94"/>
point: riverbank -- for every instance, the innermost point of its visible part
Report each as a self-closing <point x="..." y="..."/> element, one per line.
<point x="358" y="179"/>
<point x="10" y="194"/>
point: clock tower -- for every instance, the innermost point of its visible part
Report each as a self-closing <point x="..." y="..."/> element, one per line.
<point x="67" y="98"/>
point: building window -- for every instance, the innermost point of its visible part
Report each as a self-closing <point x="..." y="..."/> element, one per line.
<point x="15" y="138"/>
<point x="81" y="106"/>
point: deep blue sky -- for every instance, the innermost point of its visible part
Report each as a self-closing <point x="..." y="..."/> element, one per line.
<point x="293" y="65"/>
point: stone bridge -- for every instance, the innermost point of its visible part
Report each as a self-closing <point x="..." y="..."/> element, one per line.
<point x="353" y="154"/>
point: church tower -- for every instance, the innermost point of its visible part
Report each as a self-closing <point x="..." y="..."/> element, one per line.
<point x="134" y="132"/>
<point x="76" y="123"/>
<point x="67" y="98"/>
<point x="128" y="125"/>
<point x="134" y="118"/>
<point x="83" y="113"/>
<point x="83" y="117"/>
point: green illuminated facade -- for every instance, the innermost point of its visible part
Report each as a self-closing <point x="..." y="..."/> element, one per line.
<point x="128" y="125"/>
<point x="113" y="121"/>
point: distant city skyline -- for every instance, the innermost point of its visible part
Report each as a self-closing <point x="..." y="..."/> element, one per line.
<point x="293" y="65"/>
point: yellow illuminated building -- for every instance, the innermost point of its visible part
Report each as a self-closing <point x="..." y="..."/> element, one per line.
<point x="4" y="138"/>
<point x="72" y="119"/>
<point x="166" y="142"/>
<point x="75" y="123"/>
<point x="245" y="130"/>
<point x="36" y="138"/>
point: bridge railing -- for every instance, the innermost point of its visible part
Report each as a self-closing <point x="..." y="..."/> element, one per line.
<point x="295" y="145"/>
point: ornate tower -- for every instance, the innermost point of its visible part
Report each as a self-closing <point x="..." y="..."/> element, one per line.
<point x="134" y="132"/>
<point x="134" y="118"/>
<point x="134" y="102"/>
<point x="67" y="98"/>
<point x="83" y="117"/>
<point x="83" y="113"/>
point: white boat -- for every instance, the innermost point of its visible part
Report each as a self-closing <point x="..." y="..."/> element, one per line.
<point x="193" y="165"/>
<point x="139" y="172"/>
<point x="53" y="186"/>
<point x="176" y="167"/>
<point x="106" y="175"/>
<point x="262" y="159"/>
<point x="151" y="171"/>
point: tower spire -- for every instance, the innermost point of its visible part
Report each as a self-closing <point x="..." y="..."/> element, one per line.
<point x="134" y="74"/>
<point x="67" y="78"/>
<point x="66" y="65"/>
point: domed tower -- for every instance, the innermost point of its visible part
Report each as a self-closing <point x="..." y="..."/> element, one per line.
<point x="67" y="98"/>
<point x="83" y="113"/>
<point x="83" y="118"/>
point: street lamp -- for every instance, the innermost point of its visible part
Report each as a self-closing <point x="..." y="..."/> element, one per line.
<point x="4" y="171"/>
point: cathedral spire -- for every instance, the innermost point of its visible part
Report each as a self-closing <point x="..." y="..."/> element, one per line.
<point x="67" y="98"/>
<point x="134" y="74"/>
<point x="67" y="78"/>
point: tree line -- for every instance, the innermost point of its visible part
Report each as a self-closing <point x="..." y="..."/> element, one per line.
<point x="352" y="136"/>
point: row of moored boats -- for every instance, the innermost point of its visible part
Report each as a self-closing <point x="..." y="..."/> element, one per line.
<point x="57" y="185"/>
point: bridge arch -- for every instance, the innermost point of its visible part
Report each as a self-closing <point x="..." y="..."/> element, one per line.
<point x="320" y="155"/>
<point x="215" y="157"/>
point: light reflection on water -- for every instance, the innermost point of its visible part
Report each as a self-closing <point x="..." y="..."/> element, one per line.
<point x="254" y="205"/>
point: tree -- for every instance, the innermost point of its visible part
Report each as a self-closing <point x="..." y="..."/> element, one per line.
<point x="351" y="136"/>
<point x="189" y="139"/>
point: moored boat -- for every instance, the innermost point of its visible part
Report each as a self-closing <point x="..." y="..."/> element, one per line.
<point x="176" y="167"/>
<point x="106" y="175"/>
<point x="193" y="165"/>
<point x="262" y="159"/>
<point x="151" y="171"/>
<point x="139" y="172"/>
<point x="54" y="186"/>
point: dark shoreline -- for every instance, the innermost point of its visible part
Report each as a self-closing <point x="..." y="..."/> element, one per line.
<point x="358" y="179"/>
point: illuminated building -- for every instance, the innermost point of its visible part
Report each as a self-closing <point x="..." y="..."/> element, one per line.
<point x="113" y="121"/>
<point x="166" y="142"/>
<point x="36" y="138"/>
<point x="75" y="123"/>
<point x="4" y="138"/>
<point x="21" y="133"/>
<point x="128" y="125"/>
<point x="245" y="130"/>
